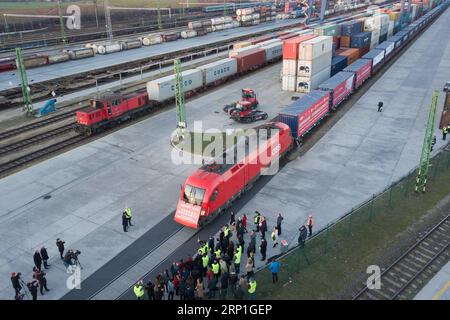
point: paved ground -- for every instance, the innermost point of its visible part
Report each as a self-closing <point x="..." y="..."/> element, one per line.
<point x="438" y="288"/>
<point x="11" y="79"/>
<point x="90" y="186"/>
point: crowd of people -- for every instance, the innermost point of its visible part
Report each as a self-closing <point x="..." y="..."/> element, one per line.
<point x="215" y="271"/>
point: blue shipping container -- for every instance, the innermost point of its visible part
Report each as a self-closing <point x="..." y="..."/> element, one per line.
<point x="290" y="115"/>
<point x="338" y="63"/>
<point x="351" y="28"/>
<point x="360" y="40"/>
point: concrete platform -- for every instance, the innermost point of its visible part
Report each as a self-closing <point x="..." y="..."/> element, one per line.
<point x="438" y="288"/>
<point x="90" y="186"/>
<point x="11" y="79"/>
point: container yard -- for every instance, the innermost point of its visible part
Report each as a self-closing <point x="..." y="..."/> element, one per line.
<point x="328" y="91"/>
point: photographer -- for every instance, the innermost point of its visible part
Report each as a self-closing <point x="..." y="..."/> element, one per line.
<point x="70" y="259"/>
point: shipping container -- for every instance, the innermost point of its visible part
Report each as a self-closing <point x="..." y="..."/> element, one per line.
<point x="305" y="113"/>
<point x="288" y="83"/>
<point x="388" y="48"/>
<point x="338" y="63"/>
<point x="274" y="51"/>
<point x="218" y="70"/>
<point x="362" y="51"/>
<point x="376" y="22"/>
<point x="76" y="54"/>
<point x="109" y="48"/>
<point x="308" y="68"/>
<point x="250" y="60"/>
<point x="404" y="35"/>
<point x="352" y="54"/>
<point x="346" y="41"/>
<point x="164" y="88"/>
<point x="291" y="46"/>
<point x="308" y="84"/>
<point x="35" y="61"/>
<point x="374" y="38"/>
<point x="377" y="58"/>
<point x="271" y="41"/>
<point x="360" y="40"/>
<point x="351" y="28"/>
<point x="394" y="16"/>
<point x="330" y="30"/>
<point x="362" y="69"/>
<point x="289" y="67"/>
<point x="185" y="34"/>
<point x="313" y="48"/>
<point x="58" y="57"/>
<point x="390" y="29"/>
<point x="340" y="87"/>
<point x="397" y="40"/>
<point x="235" y="52"/>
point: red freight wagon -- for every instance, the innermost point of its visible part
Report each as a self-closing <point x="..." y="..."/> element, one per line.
<point x="362" y="68"/>
<point x="287" y="36"/>
<point x="211" y="189"/>
<point x="340" y="87"/>
<point x="305" y="113"/>
<point x="291" y="46"/>
<point x="249" y="60"/>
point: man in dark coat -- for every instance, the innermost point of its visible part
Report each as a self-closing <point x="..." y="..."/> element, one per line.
<point x="190" y="292"/>
<point x="224" y="285"/>
<point x="32" y="287"/>
<point x="15" y="281"/>
<point x="302" y="236"/>
<point x="263" y="226"/>
<point x="44" y="256"/>
<point x="37" y="260"/>
<point x="380" y="106"/>
<point x="263" y="249"/>
<point x="279" y="220"/>
<point x="60" y="245"/>
<point x="232" y="218"/>
<point x="211" y="243"/>
<point x="124" y="222"/>
<point x="150" y="287"/>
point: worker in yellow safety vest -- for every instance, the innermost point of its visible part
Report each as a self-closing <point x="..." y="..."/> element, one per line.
<point x="218" y="252"/>
<point x="444" y="132"/>
<point x="257" y="220"/>
<point x="237" y="259"/>
<point x="252" y="289"/>
<point x="128" y="215"/>
<point x="215" y="269"/>
<point x="226" y="231"/>
<point x="205" y="260"/>
<point x="139" y="290"/>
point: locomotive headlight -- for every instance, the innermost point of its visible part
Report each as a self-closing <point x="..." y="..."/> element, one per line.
<point x="202" y="212"/>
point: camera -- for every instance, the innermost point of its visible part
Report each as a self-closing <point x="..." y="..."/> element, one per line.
<point x="77" y="252"/>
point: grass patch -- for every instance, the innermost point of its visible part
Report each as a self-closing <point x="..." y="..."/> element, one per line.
<point x="341" y="254"/>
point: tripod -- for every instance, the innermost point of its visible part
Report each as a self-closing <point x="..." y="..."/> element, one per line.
<point x="25" y="288"/>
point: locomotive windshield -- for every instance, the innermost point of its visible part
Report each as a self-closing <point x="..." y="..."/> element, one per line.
<point x="194" y="195"/>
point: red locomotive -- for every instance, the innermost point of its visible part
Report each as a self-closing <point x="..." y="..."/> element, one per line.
<point x="110" y="110"/>
<point x="7" y="64"/>
<point x="213" y="187"/>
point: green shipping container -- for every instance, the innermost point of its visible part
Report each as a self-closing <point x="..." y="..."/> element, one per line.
<point x="331" y="30"/>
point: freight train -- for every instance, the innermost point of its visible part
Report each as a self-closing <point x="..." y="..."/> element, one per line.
<point x="212" y="188"/>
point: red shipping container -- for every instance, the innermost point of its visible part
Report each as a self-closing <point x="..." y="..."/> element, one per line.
<point x="363" y="50"/>
<point x="362" y="69"/>
<point x="340" y="87"/>
<point x="251" y="59"/>
<point x="345" y="41"/>
<point x="337" y="42"/>
<point x="291" y="46"/>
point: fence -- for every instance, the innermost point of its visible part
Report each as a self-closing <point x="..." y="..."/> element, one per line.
<point x="391" y="201"/>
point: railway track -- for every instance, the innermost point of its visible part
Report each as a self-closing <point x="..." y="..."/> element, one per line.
<point x="16" y="146"/>
<point x="403" y="278"/>
<point x="13" y="164"/>
<point x="37" y="124"/>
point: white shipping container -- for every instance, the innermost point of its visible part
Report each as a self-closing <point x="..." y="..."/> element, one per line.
<point x="307" y="84"/>
<point x="109" y="48"/>
<point x="308" y="50"/>
<point x="389" y="49"/>
<point x="273" y="51"/>
<point x="233" y="53"/>
<point x="289" y="67"/>
<point x="218" y="70"/>
<point x="391" y="29"/>
<point x="242" y="12"/>
<point x="378" y="58"/>
<point x="164" y="88"/>
<point x="288" y="83"/>
<point x="375" y="22"/>
<point x="308" y="68"/>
